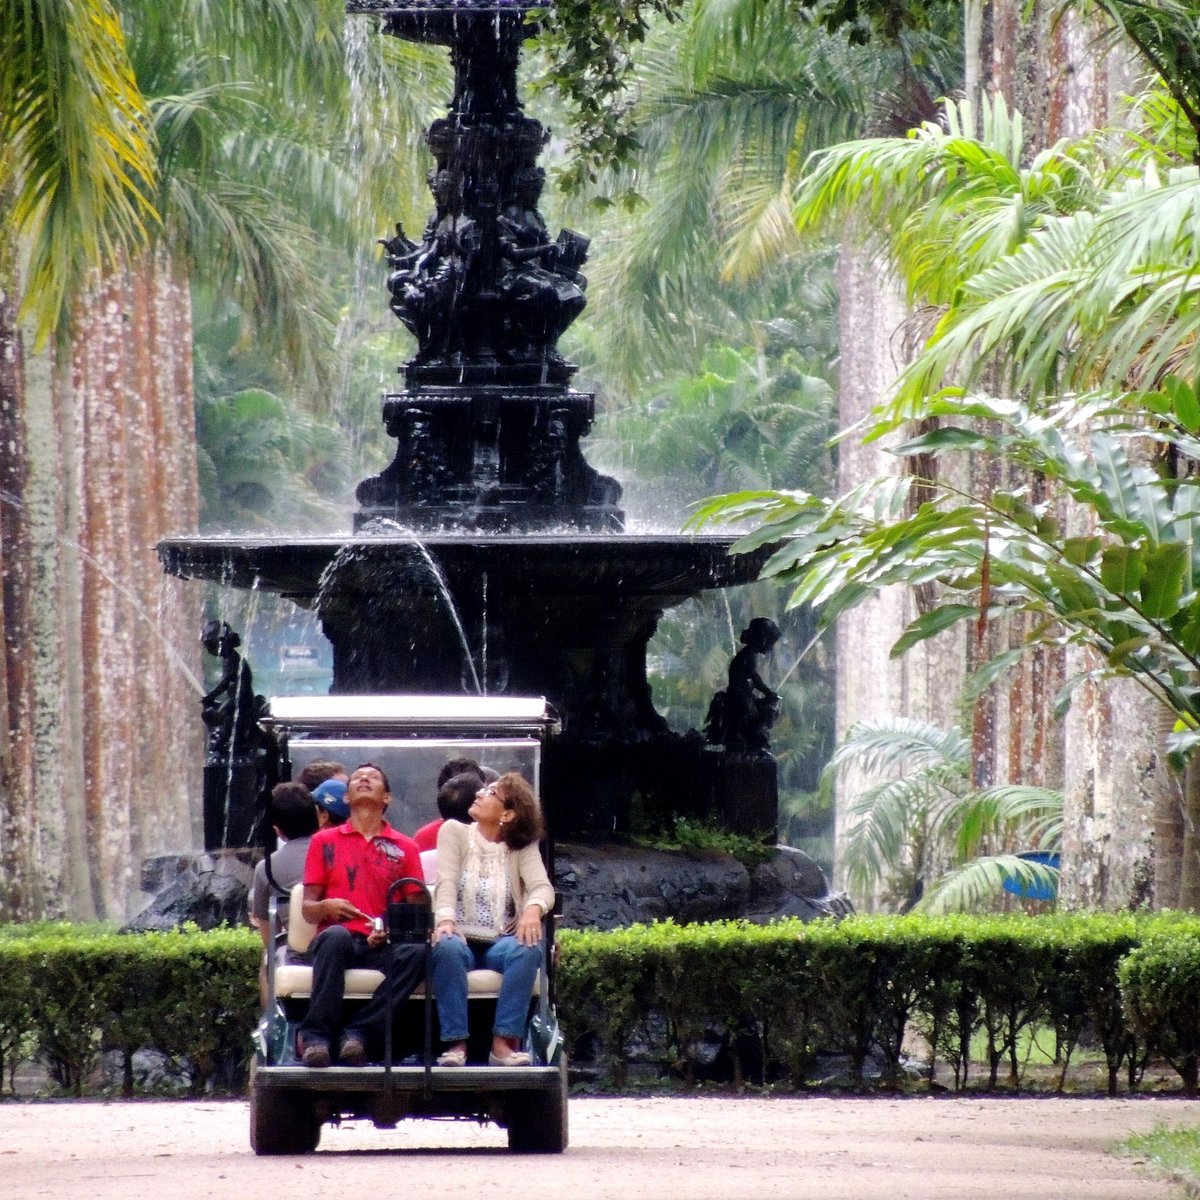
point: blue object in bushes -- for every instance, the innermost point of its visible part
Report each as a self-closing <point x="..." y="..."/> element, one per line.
<point x="1034" y="891"/>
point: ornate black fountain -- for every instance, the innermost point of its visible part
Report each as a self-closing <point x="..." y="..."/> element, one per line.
<point x="489" y="556"/>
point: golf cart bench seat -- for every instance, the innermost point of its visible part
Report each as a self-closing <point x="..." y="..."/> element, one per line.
<point x="294" y="980"/>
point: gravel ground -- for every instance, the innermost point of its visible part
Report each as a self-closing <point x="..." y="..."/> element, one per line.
<point x="701" y="1148"/>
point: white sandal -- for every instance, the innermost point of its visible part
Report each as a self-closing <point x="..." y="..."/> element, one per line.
<point x="452" y="1058"/>
<point x="518" y="1058"/>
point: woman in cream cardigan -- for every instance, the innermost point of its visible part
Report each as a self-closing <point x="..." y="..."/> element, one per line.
<point x="491" y="894"/>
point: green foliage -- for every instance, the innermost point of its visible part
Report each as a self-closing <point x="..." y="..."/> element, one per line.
<point x="1063" y="283"/>
<point x="704" y="837"/>
<point x="592" y="44"/>
<point x="1175" y="1151"/>
<point x="925" y="834"/>
<point x="744" y="417"/>
<point x="729" y="103"/>
<point x="262" y="465"/>
<point x="1167" y="33"/>
<point x="854" y="987"/>
<point x="787" y="990"/>
<point x="70" y="993"/>
<point x="77" y="165"/>
<point x="1128" y="588"/>
<point x="1160" y="983"/>
<point x="944" y="203"/>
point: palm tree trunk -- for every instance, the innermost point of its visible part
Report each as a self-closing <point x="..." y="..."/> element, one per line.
<point x="20" y="886"/>
<point x="102" y="764"/>
<point x="1189" y="849"/>
<point x="138" y="448"/>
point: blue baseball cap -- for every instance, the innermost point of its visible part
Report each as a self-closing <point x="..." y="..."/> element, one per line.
<point x="331" y="796"/>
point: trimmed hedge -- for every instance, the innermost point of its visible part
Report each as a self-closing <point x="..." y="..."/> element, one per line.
<point x="780" y="994"/>
<point x="777" y="996"/>
<point x="69" y="994"/>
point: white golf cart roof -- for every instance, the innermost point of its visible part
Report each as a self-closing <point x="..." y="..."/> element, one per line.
<point x="414" y="715"/>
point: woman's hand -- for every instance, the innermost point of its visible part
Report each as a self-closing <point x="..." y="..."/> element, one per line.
<point x="377" y="937"/>
<point x="529" y="925"/>
<point x="445" y="928"/>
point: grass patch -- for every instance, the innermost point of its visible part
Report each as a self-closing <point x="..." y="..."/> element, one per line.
<point x="1174" y="1151"/>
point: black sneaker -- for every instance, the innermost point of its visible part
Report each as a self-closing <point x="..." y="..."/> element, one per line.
<point x="352" y="1052"/>
<point x="315" y="1054"/>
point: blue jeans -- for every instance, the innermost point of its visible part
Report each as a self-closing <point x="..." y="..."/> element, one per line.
<point x="453" y="957"/>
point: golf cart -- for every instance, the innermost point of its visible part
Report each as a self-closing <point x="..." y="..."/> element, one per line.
<point x="410" y="738"/>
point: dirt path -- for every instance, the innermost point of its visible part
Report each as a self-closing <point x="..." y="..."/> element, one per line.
<point x="632" y="1149"/>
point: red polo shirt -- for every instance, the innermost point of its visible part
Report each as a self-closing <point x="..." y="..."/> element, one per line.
<point x="347" y="866"/>
<point x="426" y="836"/>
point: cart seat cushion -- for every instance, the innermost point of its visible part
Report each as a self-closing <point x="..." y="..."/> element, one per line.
<point x="300" y="932"/>
<point x="295" y="980"/>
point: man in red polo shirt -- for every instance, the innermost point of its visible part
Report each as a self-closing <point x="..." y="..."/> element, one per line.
<point x="347" y="873"/>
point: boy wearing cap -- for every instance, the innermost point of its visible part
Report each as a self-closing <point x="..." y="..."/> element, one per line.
<point x="332" y="808"/>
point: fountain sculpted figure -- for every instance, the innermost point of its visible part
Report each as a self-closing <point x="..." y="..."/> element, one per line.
<point x="740" y="717"/>
<point x="235" y="767"/>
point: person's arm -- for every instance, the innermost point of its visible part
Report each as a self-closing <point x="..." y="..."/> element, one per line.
<point x="537" y="895"/>
<point x="258" y="904"/>
<point x="449" y="867"/>
<point x="316" y="909"/>
<point x="319" y="910"/>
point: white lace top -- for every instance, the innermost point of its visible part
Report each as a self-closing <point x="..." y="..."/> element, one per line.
<point x="484" y="902"/>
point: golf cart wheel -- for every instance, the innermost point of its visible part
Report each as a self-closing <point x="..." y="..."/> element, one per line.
<point x="281" y="1122"/>
<point x="537" y="1121"/>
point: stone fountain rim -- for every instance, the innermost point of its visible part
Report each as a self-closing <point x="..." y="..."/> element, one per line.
<point x="669" y="567"/>
<point x="452" y="538"/>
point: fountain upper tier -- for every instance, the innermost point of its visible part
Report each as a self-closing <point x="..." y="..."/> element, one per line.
<point x="436" y="20"/>
<point x="487" y="426"/>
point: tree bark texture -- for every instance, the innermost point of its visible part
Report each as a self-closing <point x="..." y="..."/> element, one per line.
<point x="19" y="885"/>
<point x="112" y="737"/>
<point x="925" y="683"/>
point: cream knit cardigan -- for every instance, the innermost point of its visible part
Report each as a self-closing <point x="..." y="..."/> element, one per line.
<point x="526" y="875"/>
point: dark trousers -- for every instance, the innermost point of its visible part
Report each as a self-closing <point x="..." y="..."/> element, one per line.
<point x="336" y="951"/>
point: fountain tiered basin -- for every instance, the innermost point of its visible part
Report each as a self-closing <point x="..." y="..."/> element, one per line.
<point x="490" y="556"/>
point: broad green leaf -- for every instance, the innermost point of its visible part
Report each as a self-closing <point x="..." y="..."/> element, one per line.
<point x="1184" y="402"/>
<point x="1163" y="579"/>
<point x="1016" y="508"/>
<point x="1121" y="569"/>
<point x="931" y="624"/>
<point x="950" y="438"/>
<point x="1189" y="633"/>
<point x="1081" y="550"/>
<point x="1120" y="654"/>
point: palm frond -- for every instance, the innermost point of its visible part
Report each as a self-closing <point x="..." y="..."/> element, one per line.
<point x="981" y="881"/>
<point x="77" y="158"/>
<point x="890" y="743"/>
